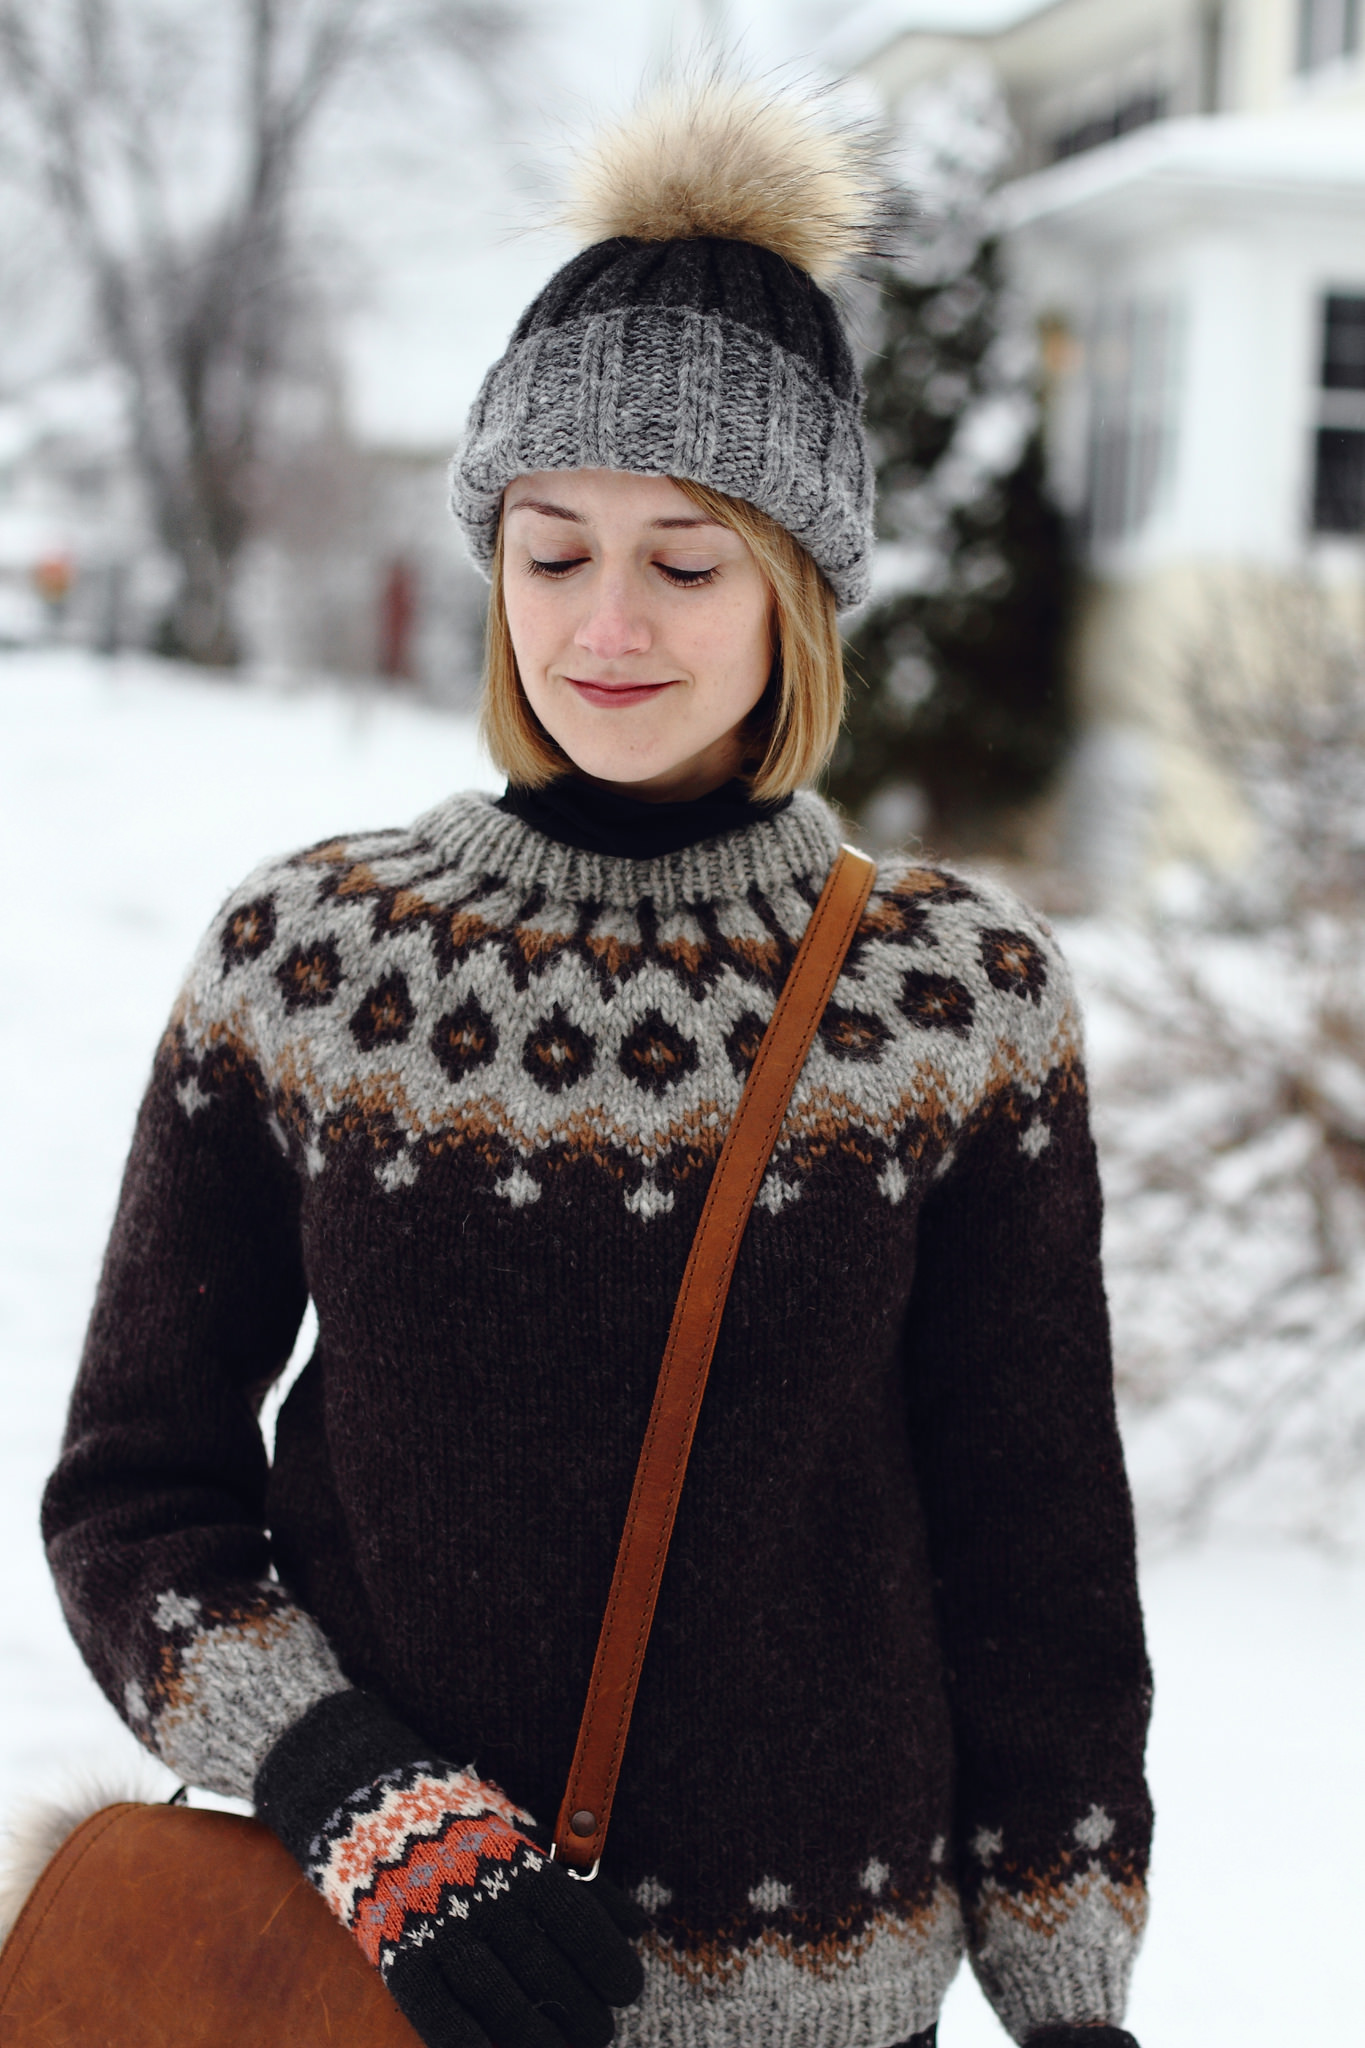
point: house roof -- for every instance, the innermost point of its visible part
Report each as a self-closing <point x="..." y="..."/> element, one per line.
<point x="1289" y="156"/>
<point x="872" y="27"/>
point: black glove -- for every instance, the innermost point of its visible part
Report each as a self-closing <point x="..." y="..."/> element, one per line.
<point x="478" y="1935"/>
<point x="1080" y="2037"/>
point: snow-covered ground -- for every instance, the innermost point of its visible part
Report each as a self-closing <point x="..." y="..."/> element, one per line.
<point x="131" y="799"/>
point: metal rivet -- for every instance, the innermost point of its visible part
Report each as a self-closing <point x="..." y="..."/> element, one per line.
<point x="583" y="1822"/>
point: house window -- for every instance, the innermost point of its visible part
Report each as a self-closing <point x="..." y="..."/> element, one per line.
<point x="1133" y="359"/>
<point x="1139" y="110"/>
<point x="1339" y="439"/>
<point x="1339" y="480"/>
<point x="1211" y="36"/>
<point x="1328" y="29"/>
<point x="1343" y="343"/>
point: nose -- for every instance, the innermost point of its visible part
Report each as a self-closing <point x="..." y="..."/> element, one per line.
<point x="615" y="623"/>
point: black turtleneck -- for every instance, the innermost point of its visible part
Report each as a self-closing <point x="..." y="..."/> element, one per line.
<point x="582" y="814"/>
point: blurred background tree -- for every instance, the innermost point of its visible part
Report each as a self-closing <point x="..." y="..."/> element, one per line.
<point x="169" y="137"/>
<point x="1231" y="1093"/>
<point x="960" y="714"/>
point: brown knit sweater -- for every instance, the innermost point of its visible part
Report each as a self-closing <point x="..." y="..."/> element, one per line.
<point x="465" y="1087"/>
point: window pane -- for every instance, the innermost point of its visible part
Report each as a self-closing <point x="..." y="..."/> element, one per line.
<point x="1343" y="344"/>
<point x="1327" y="29"/>
<point x="1137" y="112"/>
<point x="1133" y="399"/>
<point x="1339" y="481"/>
<point x="1211" y="30"/>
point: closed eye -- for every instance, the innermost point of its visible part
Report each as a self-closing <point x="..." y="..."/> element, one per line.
<point x="681" y="579"/>
<point x="686" y="579"/>
<point x="558" y="568"/>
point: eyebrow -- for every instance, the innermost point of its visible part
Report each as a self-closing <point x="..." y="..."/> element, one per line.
<point x="563" y="512"/>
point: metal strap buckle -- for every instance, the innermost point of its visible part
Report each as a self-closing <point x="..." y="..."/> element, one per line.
<point x="578" y="1876"/>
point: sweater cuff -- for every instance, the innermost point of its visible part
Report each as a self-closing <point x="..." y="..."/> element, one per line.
<point x="231" y="1676"/>
<point x="1057" y="1958"/>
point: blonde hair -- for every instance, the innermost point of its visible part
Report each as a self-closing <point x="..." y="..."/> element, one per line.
<point x="791" y="738"/>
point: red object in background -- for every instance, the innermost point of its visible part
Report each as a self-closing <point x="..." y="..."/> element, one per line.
<point x="52" y="576"/>
<point x="397" y="617"/>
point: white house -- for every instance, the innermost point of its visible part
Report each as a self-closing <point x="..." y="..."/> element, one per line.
<point x="75" y="554"/>
<point x="1188" y="227"/>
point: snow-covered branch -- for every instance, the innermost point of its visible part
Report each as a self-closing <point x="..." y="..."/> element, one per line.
<point x="1231" y="1096"/>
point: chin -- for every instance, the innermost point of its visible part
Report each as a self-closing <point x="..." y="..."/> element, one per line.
<point x="609" y="764"/>
<point x="631" y="778"/>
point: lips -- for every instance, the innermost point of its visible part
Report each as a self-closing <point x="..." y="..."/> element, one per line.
<point x="616" y="696"/>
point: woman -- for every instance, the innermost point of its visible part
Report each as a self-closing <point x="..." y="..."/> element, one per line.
<point x="464" y="1084"/>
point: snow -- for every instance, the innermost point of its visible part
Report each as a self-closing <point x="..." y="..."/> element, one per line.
<point x="1259" y="1656"/>
<point x="132" y="797"/>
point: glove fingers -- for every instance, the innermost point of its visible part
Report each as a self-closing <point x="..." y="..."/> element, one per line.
<point x="485" y="1987"/>
<point x="549" y="1979"/>
<point x="430" y="2007"/>
<point x="588" y="1935"/>
<point x="1081" y="2037"/>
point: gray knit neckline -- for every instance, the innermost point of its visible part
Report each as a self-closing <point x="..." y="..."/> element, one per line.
<point x="772" y="853"/>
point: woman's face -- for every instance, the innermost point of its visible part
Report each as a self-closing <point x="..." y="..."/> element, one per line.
<point x="642" y="630"/>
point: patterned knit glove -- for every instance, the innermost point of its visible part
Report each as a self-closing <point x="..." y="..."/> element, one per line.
<point x="478" y="1935"/>
<point x="1080" y="2037"/>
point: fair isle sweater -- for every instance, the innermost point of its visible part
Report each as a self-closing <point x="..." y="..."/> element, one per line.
<point x="465" y="1087"/>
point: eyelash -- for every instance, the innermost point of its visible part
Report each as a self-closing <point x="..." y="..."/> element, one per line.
<point x="681" y="579"/>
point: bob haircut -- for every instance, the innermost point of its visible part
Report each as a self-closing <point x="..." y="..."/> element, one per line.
<point x="792" y="729"/>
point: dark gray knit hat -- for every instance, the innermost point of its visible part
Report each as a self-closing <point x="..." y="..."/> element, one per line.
<point x="694" y="338"/>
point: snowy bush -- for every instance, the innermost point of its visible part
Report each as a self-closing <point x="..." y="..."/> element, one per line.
<point x="959" y="716"/>
<point x="1231" y="1100"/>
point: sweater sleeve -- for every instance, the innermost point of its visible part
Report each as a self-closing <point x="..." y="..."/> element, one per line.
<point x="154" y="1517"/>
<point x="1031" y="1533"/>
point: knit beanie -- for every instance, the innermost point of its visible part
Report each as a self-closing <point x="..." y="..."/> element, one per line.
<point x="695" y="336"/>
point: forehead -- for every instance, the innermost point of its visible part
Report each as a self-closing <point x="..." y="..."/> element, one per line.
<point x="604" y="495"/>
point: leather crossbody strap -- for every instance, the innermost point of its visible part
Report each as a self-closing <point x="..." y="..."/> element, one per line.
<point x="586" y="1808"/>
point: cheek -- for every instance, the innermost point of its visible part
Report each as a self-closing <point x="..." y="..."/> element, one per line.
<point x="529" y="612"/>
<point x="740" y="646"/>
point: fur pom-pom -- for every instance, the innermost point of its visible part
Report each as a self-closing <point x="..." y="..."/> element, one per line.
<point x="727" y="158"/>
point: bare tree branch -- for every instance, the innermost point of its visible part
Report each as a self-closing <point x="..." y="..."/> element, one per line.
<point x="197" y="301"/>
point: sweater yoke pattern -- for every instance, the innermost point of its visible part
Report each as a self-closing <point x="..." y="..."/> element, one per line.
<point x="393" y="996"/>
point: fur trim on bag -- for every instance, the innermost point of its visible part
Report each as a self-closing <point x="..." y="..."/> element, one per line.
<point x="36" y="1830"/>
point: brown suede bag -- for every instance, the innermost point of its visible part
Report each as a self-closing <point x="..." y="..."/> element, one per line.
<point x="172" y="1927"/>
<point x="161" y="1925"/>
